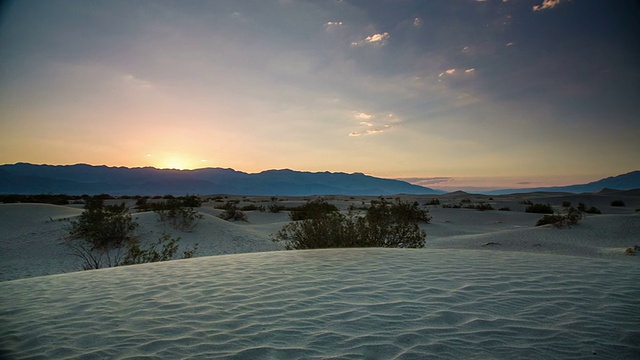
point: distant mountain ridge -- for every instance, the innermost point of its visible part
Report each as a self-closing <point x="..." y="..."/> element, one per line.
<point x="628" y="181"/>
<point x="24" y="178"/>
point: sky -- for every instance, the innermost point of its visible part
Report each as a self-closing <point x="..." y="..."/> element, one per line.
<point x="444" y="93"/>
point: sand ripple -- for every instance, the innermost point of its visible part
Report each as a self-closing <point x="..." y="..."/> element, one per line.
<point x="342" y="304"/>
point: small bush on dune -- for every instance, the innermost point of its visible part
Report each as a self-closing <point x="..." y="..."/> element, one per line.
<point x="232" y="213"/>
<point x="385" y="224"/>
<point x="504" y="208"/>
<point x="174" y="211"/>
<point x="570" y="218"/>
<point x="312" y="209"/>
<point x="103" y="236"/>
<point x="617" y="203"/>
<point x="167" y="251"/>
<point x="539" y="209"/>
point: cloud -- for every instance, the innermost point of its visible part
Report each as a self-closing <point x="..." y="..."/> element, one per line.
<point x="374" y="131"/>
<point x="355" y="133"/>
<point x="470" y="70"/>
<point x="366" y="123"/>
<point x="417" y="22"/>
<point x="375" y="39"/>
<point x="546" y="4"/>
<point x="447" y="72"/>
<point x="364" y="116"/>
<point x="333" y="23"/>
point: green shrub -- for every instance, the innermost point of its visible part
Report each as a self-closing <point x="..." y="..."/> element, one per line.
<point x="232" y="213"/>
<point x="384" y="225"/>
<point x="539" y="209"/>
<point x="168" y="250"/>
<point x="99" y="235"/>
<point x="275" y="208"/>
<point x="312" y="209"/>
<point x="593" y="210"/>
<point x="483" y="207"/>
<point x="617" y="203"/>
<point x="570" y="218"/>
<point x="175" y="213"/>
<point x="434" y="201"/>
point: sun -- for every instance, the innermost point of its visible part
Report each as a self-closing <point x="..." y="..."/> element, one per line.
<point x="175" y="162"/>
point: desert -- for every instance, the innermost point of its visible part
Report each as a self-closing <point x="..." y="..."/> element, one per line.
<point x="486" y="284"/>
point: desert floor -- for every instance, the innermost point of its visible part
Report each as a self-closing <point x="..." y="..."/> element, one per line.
<point x="489" y="284"/>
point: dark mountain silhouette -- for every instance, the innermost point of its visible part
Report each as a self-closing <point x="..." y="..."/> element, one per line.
<point x="628" y="181"/>
<point x="23" y="178"/>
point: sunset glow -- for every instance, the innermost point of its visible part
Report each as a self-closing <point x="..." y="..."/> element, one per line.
<point x="530" y="90"/>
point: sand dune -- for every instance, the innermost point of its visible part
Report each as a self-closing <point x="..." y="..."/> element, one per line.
<point x="347" y="304"/>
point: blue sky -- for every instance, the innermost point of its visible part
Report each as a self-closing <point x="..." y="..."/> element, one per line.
<point x="449" y="93"/>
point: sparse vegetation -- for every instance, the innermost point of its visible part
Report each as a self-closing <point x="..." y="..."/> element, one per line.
<point x="103" y="236"/>
<point x="385" y="224"/>
<point x="570" y="218"/>
<point x="540" y="209"/>
<point x="168" y="248"/>
<point x="504" y="208"/>
<point x="312" y="209"/>
<point x="434" y="201"/>
<point x="178" y="212"/>
<point x="617" y="203"/>
<point x="232" y="213"/>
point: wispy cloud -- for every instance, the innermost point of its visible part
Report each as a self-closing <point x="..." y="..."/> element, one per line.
<point x="363" y="115"/>
<point x="546" y="4"/>
<point x="333" y="23"/>
<point x="470" y="70"/>
<point x="375" y="39"/>
<point x="355" y="133"/>
<point x="366" y="123"/>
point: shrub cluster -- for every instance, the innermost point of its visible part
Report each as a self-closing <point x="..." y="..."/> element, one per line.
<point x="384" y="224"/>
<point x="540" y="209"/>
<point x="617" y="203"/>
<point x="103" y="236"/>
<point x="570" y="217"/>
<point x="232" y="213"/>
<point x="178" y="212"/>
<point x="312" y="209"/>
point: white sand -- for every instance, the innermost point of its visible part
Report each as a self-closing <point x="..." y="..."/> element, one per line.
<point x="347" y="304"/>
<point x="489" y="285"/>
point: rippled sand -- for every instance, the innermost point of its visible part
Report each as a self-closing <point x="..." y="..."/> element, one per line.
<point x="347" y="304"/>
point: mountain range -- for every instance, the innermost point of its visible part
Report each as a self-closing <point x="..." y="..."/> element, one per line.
<point x="24" y="178"/>
<point x="628" y="181"/>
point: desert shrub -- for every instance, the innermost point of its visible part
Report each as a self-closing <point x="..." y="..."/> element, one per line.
<point x="167" y="251"/>
<point x="483" y="207"/>
<point x="275" y="208"/>
<point x="504" y="208"/>
<point x="251" y="207"/>
<point x="174" y="212"/>
<point x="526" y="202"/>
<point x="569" y="218"/>
<point x="539" y="209"/>
<point x="232" y="213"/>
<point x="446" y="206"/>
<point x="434" y="201"/>
<point x="582" y="207"/>
<point x="593" y="210"/>
<point x="617" y="203"/>
<point x="385" y="224"/>
<point x="228" y="205"/>
<point x="99" y="235"/>
<point x="312" y="209"/>
<point x="566" y="204"/>
<point x="465" y="201"/>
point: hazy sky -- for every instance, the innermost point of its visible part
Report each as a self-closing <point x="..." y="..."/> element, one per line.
<point x="452" y="92"/>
